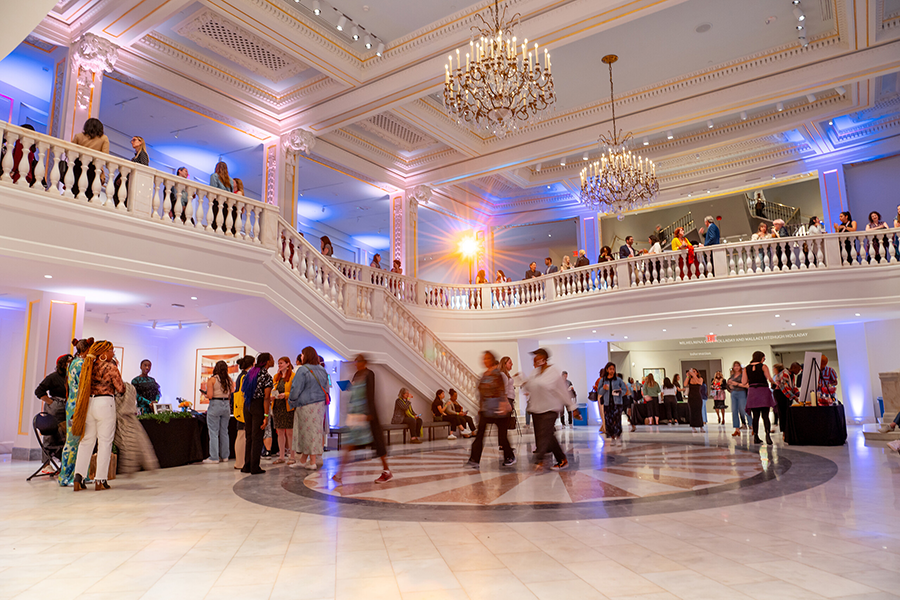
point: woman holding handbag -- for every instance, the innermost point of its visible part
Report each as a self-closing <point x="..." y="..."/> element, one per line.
<point x="493" y="408"/>
<point x="310" y="399"/>
<point x="283" y="412"/>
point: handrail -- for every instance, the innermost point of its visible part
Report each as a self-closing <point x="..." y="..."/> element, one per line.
<point x="56" y="168"/>
<point x="685" y="221"/>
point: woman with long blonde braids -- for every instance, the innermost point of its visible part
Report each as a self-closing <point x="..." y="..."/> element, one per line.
<point x="95" y="412"/>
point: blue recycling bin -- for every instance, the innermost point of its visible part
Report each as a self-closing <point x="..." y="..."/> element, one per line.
<point x="582" y="409"/>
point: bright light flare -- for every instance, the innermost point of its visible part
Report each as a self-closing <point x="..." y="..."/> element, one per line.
<point x="468" y="247"/>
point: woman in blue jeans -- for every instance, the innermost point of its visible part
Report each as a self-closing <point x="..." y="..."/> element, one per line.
<point x="219" y="388"/>
<point x="738" y="398"/>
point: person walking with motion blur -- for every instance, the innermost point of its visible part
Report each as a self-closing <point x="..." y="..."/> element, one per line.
<point x="494" y="409"/>
<point x="548" y="396"/>
<point x="363" y="426"/>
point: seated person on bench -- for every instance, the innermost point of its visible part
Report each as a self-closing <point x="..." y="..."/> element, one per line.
<point x="440" y="413"/>
<point x="404" y="414"/>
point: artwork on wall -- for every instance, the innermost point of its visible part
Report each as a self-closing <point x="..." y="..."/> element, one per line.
<point x="203" y="369"/>
<point x="658" y="375"/>
<point x="119" y="353"/>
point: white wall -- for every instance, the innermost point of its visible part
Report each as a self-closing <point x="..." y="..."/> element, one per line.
<point x="173" y="352"/>
<point x="12" y="339"/>
<point x="873" y="186"/>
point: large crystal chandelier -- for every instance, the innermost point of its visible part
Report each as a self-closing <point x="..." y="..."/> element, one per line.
<point x="502" y="86"/>
<point x="620" y="181"/>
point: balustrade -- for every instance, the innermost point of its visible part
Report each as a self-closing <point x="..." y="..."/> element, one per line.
<point x="877" y="247"/>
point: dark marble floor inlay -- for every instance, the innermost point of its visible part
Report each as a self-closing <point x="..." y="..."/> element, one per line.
<point x="640" y="478"/>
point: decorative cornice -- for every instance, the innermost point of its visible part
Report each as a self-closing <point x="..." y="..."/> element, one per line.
<point x="397" y="161"/>
<point x="397" y="132"/>
<point x="162" y="46"/>
<point x="857" y="133"/>
<point x="785" y="152"/>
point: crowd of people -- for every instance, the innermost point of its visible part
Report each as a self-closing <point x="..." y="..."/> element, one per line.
<point x="94" y="406"/>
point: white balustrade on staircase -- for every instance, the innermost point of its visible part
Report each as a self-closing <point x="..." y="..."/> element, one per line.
<point x="402" y="287"/>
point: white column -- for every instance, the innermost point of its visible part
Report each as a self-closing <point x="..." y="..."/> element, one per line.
<point x="280" y="171"/>
<point x="90" y="57"/>
<point x="854" y="380"/>
<point x="405" y="227"/>
<point x="52" y="320"/>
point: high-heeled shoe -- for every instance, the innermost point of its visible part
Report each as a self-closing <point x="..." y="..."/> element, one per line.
<point x="756" y="440"/>
<point x="78" y="483"/>
<point x="769" y="440"/>
<point x="100" y="485"/>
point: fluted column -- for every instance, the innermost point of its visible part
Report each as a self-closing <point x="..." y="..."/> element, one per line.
<point x="90" y="57"/>
<point x="280" y="158"/>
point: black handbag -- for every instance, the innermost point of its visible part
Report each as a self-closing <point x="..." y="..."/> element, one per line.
<point x="592" y="395"/>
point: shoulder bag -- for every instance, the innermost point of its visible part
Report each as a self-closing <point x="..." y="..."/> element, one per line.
<point x="327" y="395"/>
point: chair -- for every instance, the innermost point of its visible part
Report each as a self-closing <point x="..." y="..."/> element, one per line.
<point x="46" y="424"/>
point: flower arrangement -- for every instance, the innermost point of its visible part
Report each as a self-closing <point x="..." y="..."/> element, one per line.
<point x="185" y="405"/>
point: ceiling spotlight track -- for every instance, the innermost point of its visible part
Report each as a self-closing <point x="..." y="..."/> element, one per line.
<point x="349" y="27"/>
<point x="801" y="17"/>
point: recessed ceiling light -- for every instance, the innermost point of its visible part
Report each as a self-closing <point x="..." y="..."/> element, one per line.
<point x="669" y="135"/>
<point x="584" y="156"/>
<point x="626" y="337"/>
<point x="51" y="277"/>
<point x="710" y="124"/>
<point x="568" y="338"/>
<point x="646" y="142"/>
<point x="595" y="331"/>
<point x="711" y="333"/>
<point x="831" y="122"/>
<point x="857" y="314"/>
<point x="548" y="187"/>
<point x="729" y="324"/>
<point x="317" y="9"/>
<point x="193" y="297"/>
<point x="793" y="324"/>
<point x="562" y="162"/>
<point x="663" y="329"/>
<point x="776" y="316"/>
<point x="743" y="115"/>
<point x="780" y="106"/>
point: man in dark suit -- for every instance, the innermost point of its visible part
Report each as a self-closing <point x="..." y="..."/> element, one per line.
<point x="551" y="268"/>
<point x="582" y="259"/>
<point x="532" y="271"/>
<point x="627" y="250"/>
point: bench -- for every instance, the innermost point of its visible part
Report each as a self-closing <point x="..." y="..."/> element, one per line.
<point x="388" y="428"/>
<point x="430" y="427"/>
<point x="337" y="432"/>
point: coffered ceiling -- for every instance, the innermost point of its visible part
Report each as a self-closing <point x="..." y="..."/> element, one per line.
<point x="713" y="90"/>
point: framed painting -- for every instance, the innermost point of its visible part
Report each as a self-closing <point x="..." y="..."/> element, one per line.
<point x="203" y="369"/>
<point x="119" y="353"/>
<point x="658" y="375"/>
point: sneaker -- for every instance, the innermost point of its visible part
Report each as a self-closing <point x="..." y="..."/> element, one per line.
<point x="385" y="477"/>
<point x="509" y="462"/>
<point x="312" y="466"/>
<point x="472" y="465"/>
<point x="451" y="437"/>
<point x="297" y="465"/>
<point x="560" y="465"/>
<point x="211" y="461"/>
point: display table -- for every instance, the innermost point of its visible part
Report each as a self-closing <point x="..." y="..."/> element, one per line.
<point x="641" y="411"/>
<point x="816" y="426"/>
<point x="177" y="442"/>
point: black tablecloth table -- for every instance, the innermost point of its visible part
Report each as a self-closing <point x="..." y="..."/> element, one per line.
<point x="816" y="426"/>
<point x="641" y="411"/>
<point x="177" y="442"/>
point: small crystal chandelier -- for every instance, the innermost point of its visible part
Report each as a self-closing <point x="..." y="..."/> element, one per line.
<point x="620" y="181"/>
<point x="503" y="86"/>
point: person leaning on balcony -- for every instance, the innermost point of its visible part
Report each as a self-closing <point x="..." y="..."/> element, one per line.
<point x="815" y="226"/>
<point x="846" y="224"/>
<point x="183" y="173"/>
<point x="92" y="137"/>
<point x="679" y="241"/>
<point x="712" y="232"/>
<point x="627" y="249"/>
<point x="501" y="277"/>
<point x="532" y="271"/>
<point x="551" y="268"/>
<point x="582" y="259"/>
<point x="327" y="248"/>
<point x="376" y="262"/>
<point x="405" y="415"/>
<point x="397" y="268"/>
<point x="655" y="248"/>
<point x="605" y="255"/>
<point x="897" y="219"/>
<point x="762" y="233"/>
<point x="220" y="180"/>
<point x="778" y="229"/>
<point x="481" y="278"/>
<point x="875" y="221"/>
<point x="566" y="263"/>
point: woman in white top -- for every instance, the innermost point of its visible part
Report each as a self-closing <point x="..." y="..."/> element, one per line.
<point x="814" y="227"/>
<point x="655" y="248"/>
<point x="762" y="232"/>
<point x="566" y="263"/>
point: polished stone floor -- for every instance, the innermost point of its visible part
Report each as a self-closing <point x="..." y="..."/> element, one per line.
<point x="669" y="514"/>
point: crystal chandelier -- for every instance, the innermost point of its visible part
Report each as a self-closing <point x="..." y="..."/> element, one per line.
<point x="620" y="181"/>
<point x="502" y="86"/>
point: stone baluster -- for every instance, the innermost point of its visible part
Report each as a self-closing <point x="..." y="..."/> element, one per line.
<point x="154" y="198"/>
<point x="39" y="171"/>
<point x="8" y="162"/>
<point x="891" y="249"/>
<point x="69" y="181"/>
<point x="855" y="257"/>
<point x="23" y="167"/>
<point x="52" y="174"/>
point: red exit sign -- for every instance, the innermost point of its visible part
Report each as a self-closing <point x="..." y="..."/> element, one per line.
<point x="711" y="338"/>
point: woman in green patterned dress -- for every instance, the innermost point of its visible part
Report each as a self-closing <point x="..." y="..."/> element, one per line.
<point x="67" y="466"/>
<point x="146" y="387"/>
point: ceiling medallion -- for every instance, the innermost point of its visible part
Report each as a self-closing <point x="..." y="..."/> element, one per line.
<point x="621" y="180"/>
<point x="502" y="87"/>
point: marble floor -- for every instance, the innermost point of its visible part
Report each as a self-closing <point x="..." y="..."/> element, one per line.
<point x="667" y="515"/>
